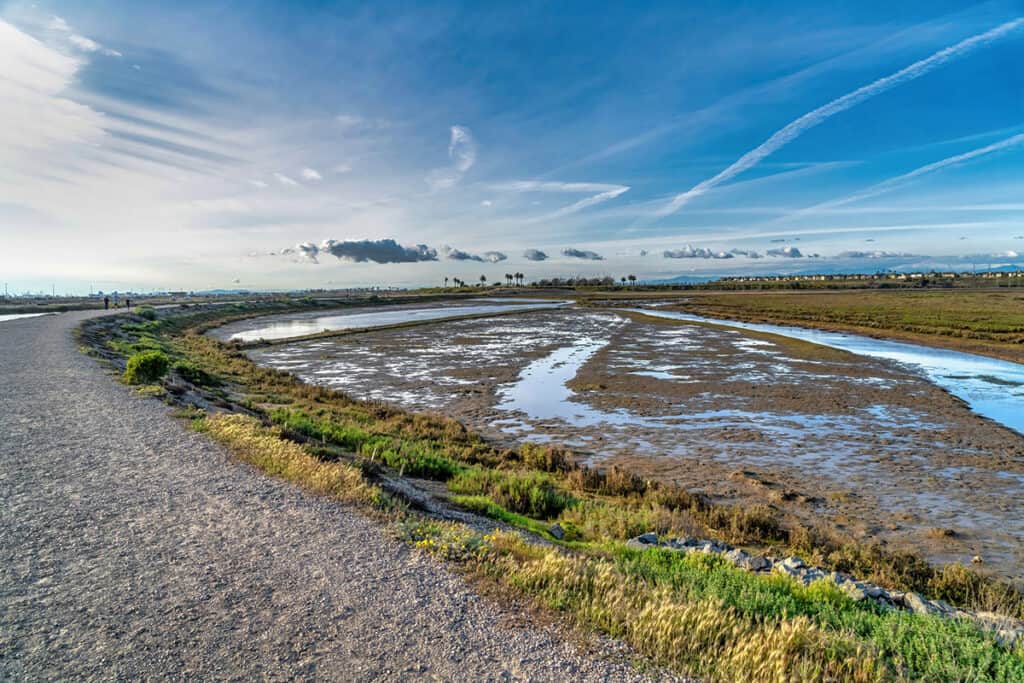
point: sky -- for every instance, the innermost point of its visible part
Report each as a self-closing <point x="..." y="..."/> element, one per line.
<point x="282" y="145"/>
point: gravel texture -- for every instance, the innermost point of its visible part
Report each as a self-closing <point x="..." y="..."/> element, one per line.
<point x="131" y="548"/>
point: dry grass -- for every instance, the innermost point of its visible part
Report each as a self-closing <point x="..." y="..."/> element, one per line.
<point x="263" y="448"/>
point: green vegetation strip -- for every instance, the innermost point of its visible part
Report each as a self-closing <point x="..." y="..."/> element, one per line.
<point x="694" y="613"/>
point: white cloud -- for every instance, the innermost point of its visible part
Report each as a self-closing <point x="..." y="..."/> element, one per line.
<point x="87" y="44"/>
<point x="311" y="174"/>
<point x="285" y="180"/>
<point x="462" y="148"/>
<point x="795" y="128"/>
<point x="35" y="117"/>
<point x="602" y="192"/>
<point x="58" y="24"/>
<point x="257" y="183"/>
<point x="897" y="181"/>
<point x="462" y="152"/>
<point x="342" y="168"/>
<point x="487" y="202"/>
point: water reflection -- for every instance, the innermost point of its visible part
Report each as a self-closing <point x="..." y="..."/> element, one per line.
<point x="990" y="386"/>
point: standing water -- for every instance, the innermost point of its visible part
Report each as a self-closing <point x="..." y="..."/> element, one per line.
<point x="991" y="387"/>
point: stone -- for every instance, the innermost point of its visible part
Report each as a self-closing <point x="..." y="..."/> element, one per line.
<point x="759" y="564"/>
<point x="874" y="592"/>
<point x="557" y="531"/>
<point x="853" y="589"/>
<point x="650" y="538"/>
<point x="917" y="604"/>
<point x="738" y="558"/>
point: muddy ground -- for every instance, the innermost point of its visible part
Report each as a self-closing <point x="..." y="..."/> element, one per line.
<point x="866" y="446"/>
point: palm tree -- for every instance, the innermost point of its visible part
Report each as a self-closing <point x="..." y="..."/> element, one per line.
<point x="519" y="278"/>
<point x="623" y="279"/>
<point x="483" y="279"/>
<point x="446" y="282"/>
<point x="632" y="279"/>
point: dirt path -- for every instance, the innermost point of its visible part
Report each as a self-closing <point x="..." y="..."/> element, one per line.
<point x="131" y="548"/>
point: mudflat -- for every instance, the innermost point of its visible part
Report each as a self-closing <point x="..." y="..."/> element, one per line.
<point x="866" y="446"/>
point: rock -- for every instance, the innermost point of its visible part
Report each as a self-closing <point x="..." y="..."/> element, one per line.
<point x="643" y="541"/>
<point x="918" y="605"/>
<point x="738" y="558"/>
<point x="557" y="531"/>
<point x="759" y="564"/>
<point x="977" y="559"/>
<point x="854" y="589"/>
<point x="791" y="566"/>
<point x="681" y="543"/>
<point x="874" y="592"/>
<point x="1008" y="630"/>
<point x="792" y="563"/>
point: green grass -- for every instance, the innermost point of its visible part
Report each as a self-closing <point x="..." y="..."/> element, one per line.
<point x="534" y="494"/>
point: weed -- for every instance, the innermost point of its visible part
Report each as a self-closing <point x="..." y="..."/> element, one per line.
<point x="146" y="367"/>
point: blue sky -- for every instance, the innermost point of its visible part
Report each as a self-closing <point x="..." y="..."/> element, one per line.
<point x="279" y="145"/>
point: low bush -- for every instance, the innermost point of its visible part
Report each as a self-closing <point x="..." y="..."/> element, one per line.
<point x="146" y="367"/>
<point x="526" y="493"/>
<point x="190" y="372"/>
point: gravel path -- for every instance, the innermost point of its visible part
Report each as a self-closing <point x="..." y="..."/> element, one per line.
<point x="131" y="548"/>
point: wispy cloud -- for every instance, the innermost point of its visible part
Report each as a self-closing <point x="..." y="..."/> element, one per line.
<point x="900" y="180"/>
<point x="871" y="255"/>
<point x="535" y="255"/>
<point x="813" y="118"/>
<point x="311" y="174"/>
<point x="600" y="192"/>
<point x="285" y="180"/>
<point x="462" y="150"/>
<point x="79" y="41"/>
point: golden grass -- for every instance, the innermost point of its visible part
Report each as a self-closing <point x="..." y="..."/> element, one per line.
<point x="263" y="448"/>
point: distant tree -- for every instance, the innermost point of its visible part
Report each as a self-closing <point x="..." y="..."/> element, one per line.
<point x="623" y="279"/>
<point x="632" y="279"/>
<point x="446" y="283"/>
<point x="483" y="279"/>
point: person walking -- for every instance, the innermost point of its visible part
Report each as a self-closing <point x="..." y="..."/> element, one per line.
<point x="106" y="303"/>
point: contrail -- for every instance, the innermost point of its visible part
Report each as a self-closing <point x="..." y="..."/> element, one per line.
<point x="894" y="182"/>
<point x="811" y="119"/>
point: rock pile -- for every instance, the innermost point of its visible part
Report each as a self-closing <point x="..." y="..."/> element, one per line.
<point x="1008" y="630"/>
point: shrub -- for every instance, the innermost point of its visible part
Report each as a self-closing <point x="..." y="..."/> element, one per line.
<point x="146" y="312"/>
<point x="529" y="493"/>
<point x="190" y="372"/>
<point x="146" y="367"/>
